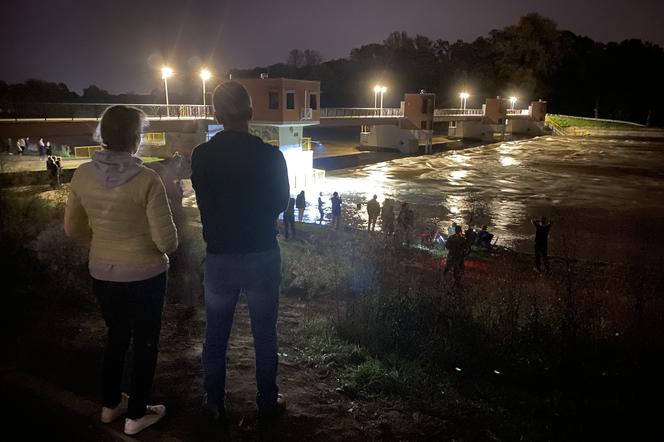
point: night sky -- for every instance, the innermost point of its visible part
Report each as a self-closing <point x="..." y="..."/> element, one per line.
<point x="119" y="44"/>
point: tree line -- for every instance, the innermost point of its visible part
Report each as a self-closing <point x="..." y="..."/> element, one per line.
<point x="532" y="59"/>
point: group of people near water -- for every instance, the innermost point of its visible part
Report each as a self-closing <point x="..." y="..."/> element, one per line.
<point x="124" y="210"/>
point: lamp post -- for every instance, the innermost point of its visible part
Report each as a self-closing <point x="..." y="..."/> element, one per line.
<point x="376" y="91"/>
<point x="165" y="73"/>
<point x="382" y="91"/>
<point x="464" y="98"/>
<point x="513" y="100"/>
<point x="205" y="76"/>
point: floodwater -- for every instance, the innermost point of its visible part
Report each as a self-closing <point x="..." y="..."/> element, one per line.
<point x="605" y="196"/>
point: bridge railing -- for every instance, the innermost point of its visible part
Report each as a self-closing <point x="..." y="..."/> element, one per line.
<point x="360" y="112"/>
<point x="95" y="110"/>
<point x="457" y="112"/>
<point x="521" y="112"/>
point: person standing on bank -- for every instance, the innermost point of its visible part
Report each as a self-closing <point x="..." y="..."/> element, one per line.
<point x="542" y="227"/>
<point x="373" y="210"/>
<point x="123" y="206"/>
<point x="336" y="202"/>
<point x="321" y="211"/>
<point x="289" y="218"/>
<point x="241" y="186"/>
<point x="300" y="204"/>
<point x="456" y="254"/>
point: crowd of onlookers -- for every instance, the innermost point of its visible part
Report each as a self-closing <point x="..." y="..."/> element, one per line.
<point x="458" y="242"/>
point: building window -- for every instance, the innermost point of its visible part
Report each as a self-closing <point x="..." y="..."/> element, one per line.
<point x="274" y="100"/>
<point x="424" y="124"/>
<point x="313" y="101"/>
<point x="425" y="106"/>
<point x="290" y="100"/>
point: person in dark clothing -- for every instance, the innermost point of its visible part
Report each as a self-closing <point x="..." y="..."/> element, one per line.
<point x="300" y="204"/>
<point x="289" y="217"/>
<point x="387" y="217"/>
<point x="456" y="254"/>
<point x="320" y="208"/>
<point x="405" y="222"/>
<point x="471" y="237"/>
<point x="373" y="210"/>
<point x="542" y="227"/>
<point x="241" y="186"/>
<point x="336" y="210"/>
<point x="54" y="168"/>
<point x="484" y="238"/>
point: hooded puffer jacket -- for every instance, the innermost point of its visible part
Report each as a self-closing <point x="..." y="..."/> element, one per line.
<point x="123" y="206"/>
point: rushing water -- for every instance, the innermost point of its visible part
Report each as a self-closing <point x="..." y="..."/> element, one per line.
<point x="606" y="197"/>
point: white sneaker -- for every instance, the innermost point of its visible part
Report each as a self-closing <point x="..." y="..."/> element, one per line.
<point x="153" y="414"/>
<point x="108" y="415"/>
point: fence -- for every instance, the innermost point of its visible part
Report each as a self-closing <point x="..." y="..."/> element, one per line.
<point x="85" y="151"/>
<point x="361" y="112"/>
<point x="95" y="110"/>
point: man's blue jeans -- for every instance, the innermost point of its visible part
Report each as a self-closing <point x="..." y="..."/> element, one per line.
<point x="258" y="275"/>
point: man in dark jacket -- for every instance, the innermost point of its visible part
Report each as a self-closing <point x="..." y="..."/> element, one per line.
<point x="241" y="186"/>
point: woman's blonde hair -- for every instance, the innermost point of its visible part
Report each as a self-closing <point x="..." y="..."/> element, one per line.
<point x="119" y="126"/>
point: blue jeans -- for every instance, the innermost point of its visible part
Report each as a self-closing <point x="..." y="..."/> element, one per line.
<point x="258" y="275"/>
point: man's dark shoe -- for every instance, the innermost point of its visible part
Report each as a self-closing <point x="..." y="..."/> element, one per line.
<point x="273" y="411"/>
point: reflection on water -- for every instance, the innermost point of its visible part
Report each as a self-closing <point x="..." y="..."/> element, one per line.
<point x="505" y="184"/>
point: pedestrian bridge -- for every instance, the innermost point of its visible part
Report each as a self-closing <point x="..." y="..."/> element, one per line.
<point x="54" y="119"/>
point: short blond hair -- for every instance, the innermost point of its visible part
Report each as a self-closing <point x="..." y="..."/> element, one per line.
<point x="119" y="125"/>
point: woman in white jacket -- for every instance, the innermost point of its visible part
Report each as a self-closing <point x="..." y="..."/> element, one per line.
<point x="122" y="205"/>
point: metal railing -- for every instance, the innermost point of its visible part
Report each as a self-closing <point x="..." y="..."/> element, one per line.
<point x="457" y="112"/>
<point x="521" y="112"/>
<point x="360" y="112"/>
<point x="95" y="110"/>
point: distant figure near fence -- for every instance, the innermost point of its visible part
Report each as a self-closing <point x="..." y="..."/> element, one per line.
<point x="373" y="210"/>
<point x="321" y="205"/>
<point x="300" y="204"/>
<point x="542" y="228"/>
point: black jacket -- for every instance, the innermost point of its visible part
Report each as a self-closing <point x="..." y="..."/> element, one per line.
<point x="241" y="186"/>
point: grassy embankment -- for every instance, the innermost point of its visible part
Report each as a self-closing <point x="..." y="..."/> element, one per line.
<point x="512" y="354"/>
<point x="565" y="121"/>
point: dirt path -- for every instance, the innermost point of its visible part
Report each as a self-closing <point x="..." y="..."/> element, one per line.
<point x="69" y="355"/>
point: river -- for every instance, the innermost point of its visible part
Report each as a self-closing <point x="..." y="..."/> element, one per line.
<point x="605" y="196"/>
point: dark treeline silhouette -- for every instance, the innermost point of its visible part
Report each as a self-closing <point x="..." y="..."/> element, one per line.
<point x="532" y="59"/>
<point x="39" y="91"/>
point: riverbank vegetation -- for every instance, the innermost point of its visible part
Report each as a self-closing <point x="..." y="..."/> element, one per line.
<point x="511" y="355"/>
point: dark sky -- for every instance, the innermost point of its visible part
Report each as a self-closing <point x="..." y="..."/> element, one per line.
<point x="118" y="44"/>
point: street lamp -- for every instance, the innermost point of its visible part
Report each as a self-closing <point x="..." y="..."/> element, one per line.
<point x="464" y="97"/>
<point x="205" y="76"/>
<point x="165" y="73"/>
<point x="376" y="91"/>
<point x="513" y="101"/>
<point x="382" y="91"/>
